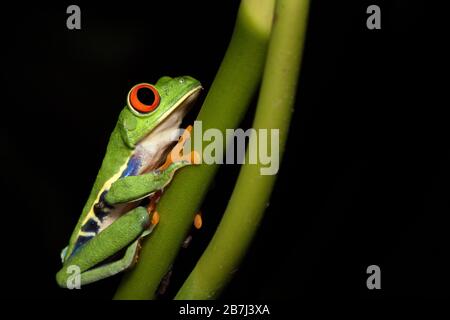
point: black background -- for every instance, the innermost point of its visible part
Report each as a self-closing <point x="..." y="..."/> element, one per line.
<point x="364" y="179"/>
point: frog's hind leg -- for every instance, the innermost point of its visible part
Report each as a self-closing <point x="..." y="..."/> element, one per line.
<point x="92" y="259"/>
<point x="129" y="259"/>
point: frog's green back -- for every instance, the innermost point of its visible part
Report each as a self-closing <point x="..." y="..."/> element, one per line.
<point x="117" y="155"/>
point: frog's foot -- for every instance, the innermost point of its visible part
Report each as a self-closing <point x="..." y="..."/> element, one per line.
<point x="198" y="221"/>
<point x="151" y="208"/>
<point x="176" y="155"/>
<point x="197" y="224"/>
<point x="155" y="218"/>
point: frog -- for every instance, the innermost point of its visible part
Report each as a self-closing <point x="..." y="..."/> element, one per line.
<point x="141" y="158"/>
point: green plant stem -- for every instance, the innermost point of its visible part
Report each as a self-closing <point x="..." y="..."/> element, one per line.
<point x="252" y="191"/>
<point x="225" y="105"/>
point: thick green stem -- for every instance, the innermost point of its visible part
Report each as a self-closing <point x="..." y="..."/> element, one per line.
<point x="252" y="191"/>
<point x="225" y="105"/>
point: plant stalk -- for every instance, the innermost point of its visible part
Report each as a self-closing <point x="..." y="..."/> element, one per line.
<point x="234" y="86"/>
<point x="252" y="192"/>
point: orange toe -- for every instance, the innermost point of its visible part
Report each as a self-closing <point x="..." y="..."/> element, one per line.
<point x="155" y="218"/>
<point x="198" y="221"/>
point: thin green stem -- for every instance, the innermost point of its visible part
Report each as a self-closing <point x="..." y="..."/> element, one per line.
<point x="247" y="204"/>
<point x="231" y="92"/>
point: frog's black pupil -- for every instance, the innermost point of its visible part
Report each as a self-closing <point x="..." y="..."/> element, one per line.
<point x="146" y="96"/>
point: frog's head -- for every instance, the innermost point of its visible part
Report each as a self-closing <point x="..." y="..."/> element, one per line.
<point x="160" y="105"/>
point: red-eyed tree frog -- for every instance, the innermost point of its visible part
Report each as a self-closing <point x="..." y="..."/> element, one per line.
<point x="136" y="166"/>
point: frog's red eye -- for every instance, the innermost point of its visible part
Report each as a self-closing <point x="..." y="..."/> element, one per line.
<point x="143" y="98"/>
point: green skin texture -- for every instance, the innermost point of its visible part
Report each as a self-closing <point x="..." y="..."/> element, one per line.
<point x="136" y="187"/>
<point x="128" y="229"/>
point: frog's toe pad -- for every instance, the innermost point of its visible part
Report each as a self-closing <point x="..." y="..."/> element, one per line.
<point x="198" y="221"/>
<point x="155" y="218"/>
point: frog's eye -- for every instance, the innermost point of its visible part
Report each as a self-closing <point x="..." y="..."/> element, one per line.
<point x="143" y="98"/>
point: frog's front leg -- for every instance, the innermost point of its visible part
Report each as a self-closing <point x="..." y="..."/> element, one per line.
<point x="125" y="232"/>
<point x="132" y="188"/>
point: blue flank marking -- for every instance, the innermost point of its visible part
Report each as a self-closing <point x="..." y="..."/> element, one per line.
<point x="80" y="241"/>
<point x="90" y="226"/>
<point x="132" y="167"/>
<point x="102" y="196"/>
